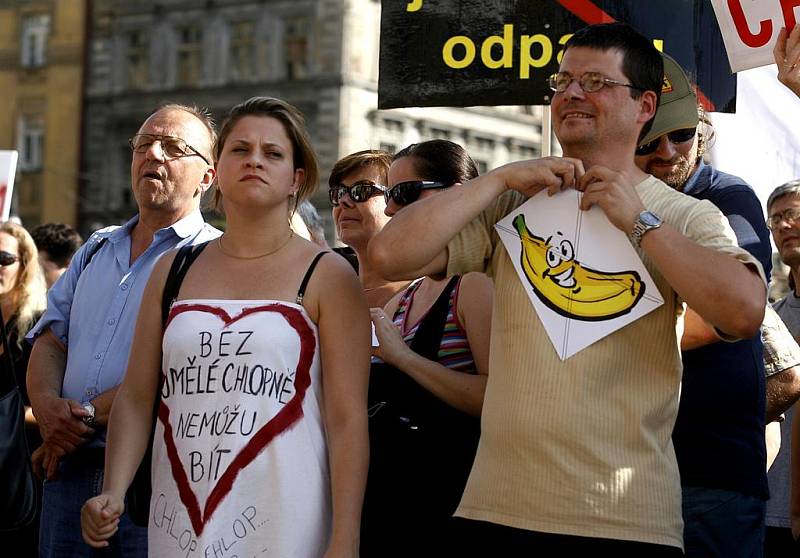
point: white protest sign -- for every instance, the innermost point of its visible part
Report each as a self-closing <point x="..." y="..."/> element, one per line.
<point x="8" y="169"/>
<point x="765" y="116"/>
<point x="582" y="275"/>
<point x="750" y="27"/>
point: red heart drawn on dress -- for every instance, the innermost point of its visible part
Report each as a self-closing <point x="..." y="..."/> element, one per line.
<point x="282" y="421"/>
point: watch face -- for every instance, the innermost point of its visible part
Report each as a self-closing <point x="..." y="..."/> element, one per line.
<point x="650" y="219"/>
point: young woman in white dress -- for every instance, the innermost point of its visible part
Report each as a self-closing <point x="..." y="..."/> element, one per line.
<point x="260" y="444"/>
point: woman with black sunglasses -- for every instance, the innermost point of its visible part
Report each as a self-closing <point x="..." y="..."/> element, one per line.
<point x="357" y="193"/>
<point x="426" y="394"/>
<point x="23" y="297"/>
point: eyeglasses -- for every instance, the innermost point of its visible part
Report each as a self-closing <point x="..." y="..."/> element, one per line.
<point x="359" y="192"/>
<point x="790" y="215"/>
<point x="404" y="193"/>
<point x="7" y="258"/>
<point x="676" y="137"/>
<point x="589" y="82"/>
<point x="171" y="146"/>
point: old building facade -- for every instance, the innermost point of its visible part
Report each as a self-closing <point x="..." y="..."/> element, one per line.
<point x="320" y="55"/>
<point x="42" y="45"/>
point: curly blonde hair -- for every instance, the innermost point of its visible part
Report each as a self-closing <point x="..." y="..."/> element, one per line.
<point x="29" y="295"/>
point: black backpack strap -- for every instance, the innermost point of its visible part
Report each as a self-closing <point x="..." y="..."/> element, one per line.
<point x="428" y="336"/>
<point x="92" y="250"/>
<point x="138" y="494"/>
<point x="185" y="257"/>
<point x="301" y="292"/>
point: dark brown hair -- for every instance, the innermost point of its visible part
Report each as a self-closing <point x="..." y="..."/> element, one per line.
<point x="379" y="159"/>
<point x="295" y="126"/>
<point x="440" y="160"/>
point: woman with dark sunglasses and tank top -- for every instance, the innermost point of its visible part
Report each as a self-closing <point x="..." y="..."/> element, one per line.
<point x="426" y="390"/>
<point x="261" y="434"/>
<point x="357" y="193"/>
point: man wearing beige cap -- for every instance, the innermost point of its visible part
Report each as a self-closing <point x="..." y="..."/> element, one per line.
<point x="719" y="433"/>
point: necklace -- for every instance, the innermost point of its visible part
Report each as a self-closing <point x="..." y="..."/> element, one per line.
<point x="284" y="243"/>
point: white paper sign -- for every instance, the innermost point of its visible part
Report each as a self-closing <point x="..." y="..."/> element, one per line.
<point x="750" y="28"/>
<point x="582" y="275"/>
<point x="8" y="168"/>
<point x="765" y="116"/>
<point x="375" y="342"/>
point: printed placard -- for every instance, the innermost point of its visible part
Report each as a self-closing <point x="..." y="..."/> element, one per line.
<point x="8" y="169"/>
<point x="464" y="53"/>
<point x="750" y="29"/>
<point x="582" y="275"/>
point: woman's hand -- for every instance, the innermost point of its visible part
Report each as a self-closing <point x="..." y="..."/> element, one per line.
<point x="392" y="348"/>
<point x="100" y="519"/>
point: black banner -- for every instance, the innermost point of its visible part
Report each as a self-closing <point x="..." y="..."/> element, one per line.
<point x="500" y="52"/>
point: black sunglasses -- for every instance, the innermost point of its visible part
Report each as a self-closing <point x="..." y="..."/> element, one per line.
<point x="404" y="193"/>
<point x="7" y="258"/>
<point x="359" y="192"/>
<point x="678" y="136"/>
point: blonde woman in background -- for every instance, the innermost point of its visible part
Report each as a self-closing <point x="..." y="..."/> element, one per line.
<point x="23" y="297"/>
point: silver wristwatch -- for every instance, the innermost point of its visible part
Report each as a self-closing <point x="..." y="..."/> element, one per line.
<point x="90" y="419"/>
<point x="646" y="221"/>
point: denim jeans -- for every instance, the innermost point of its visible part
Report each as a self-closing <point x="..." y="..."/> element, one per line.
<point x="722" y="523"/>
<point x="60" y="528"/>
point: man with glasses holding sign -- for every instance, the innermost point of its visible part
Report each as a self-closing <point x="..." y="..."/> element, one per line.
<point x="82" y="342"/>
<point x="575" y="456"/>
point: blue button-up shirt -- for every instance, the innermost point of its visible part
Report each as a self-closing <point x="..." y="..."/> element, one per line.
<point x="93" y="311"/>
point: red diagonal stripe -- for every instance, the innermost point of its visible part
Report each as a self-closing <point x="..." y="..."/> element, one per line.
<point x="587" y="11"/>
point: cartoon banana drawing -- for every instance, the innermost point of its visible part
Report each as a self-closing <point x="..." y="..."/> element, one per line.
<point x="571" y="289"/>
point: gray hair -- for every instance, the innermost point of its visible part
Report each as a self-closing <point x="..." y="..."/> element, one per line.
<point x="791" y="188"/>
<point x="310" y="216"/>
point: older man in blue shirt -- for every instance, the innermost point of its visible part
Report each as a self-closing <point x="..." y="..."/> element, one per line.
<point x="82" y="342"/>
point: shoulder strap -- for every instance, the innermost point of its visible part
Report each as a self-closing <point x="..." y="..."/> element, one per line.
<point x="407" y="297"/>
<point x="301" y="292"/>
<point x="428" y="336"/>
<point x="185" y="257"/>
<point x="92" y="250"/>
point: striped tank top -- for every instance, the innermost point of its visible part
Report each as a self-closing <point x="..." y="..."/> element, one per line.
<point x="454" y="351"/>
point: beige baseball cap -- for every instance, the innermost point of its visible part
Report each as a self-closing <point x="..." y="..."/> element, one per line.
<point x="677" y="108"/>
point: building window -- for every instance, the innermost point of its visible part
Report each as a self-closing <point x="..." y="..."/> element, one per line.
<point x="242" y="50"/>
<point x="390" y="148"/>
<point x="190" y="54"/>
<point x="33" y="43"/>
<point x="439" y="133"/>
<point x="484" y="144"/>
<point x="296" y="32"/>
<point x="482" y="166"/>
<point x="136" y="61"/>
<point x="30" y="143"/>
<point x="527" y="152"/>
<point x="392" y="125"/>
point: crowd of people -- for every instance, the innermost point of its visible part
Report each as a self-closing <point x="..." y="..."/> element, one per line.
<point x="234" y="370"/>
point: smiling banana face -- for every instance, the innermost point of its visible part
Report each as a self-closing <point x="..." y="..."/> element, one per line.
<point x="571" y="289"/>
